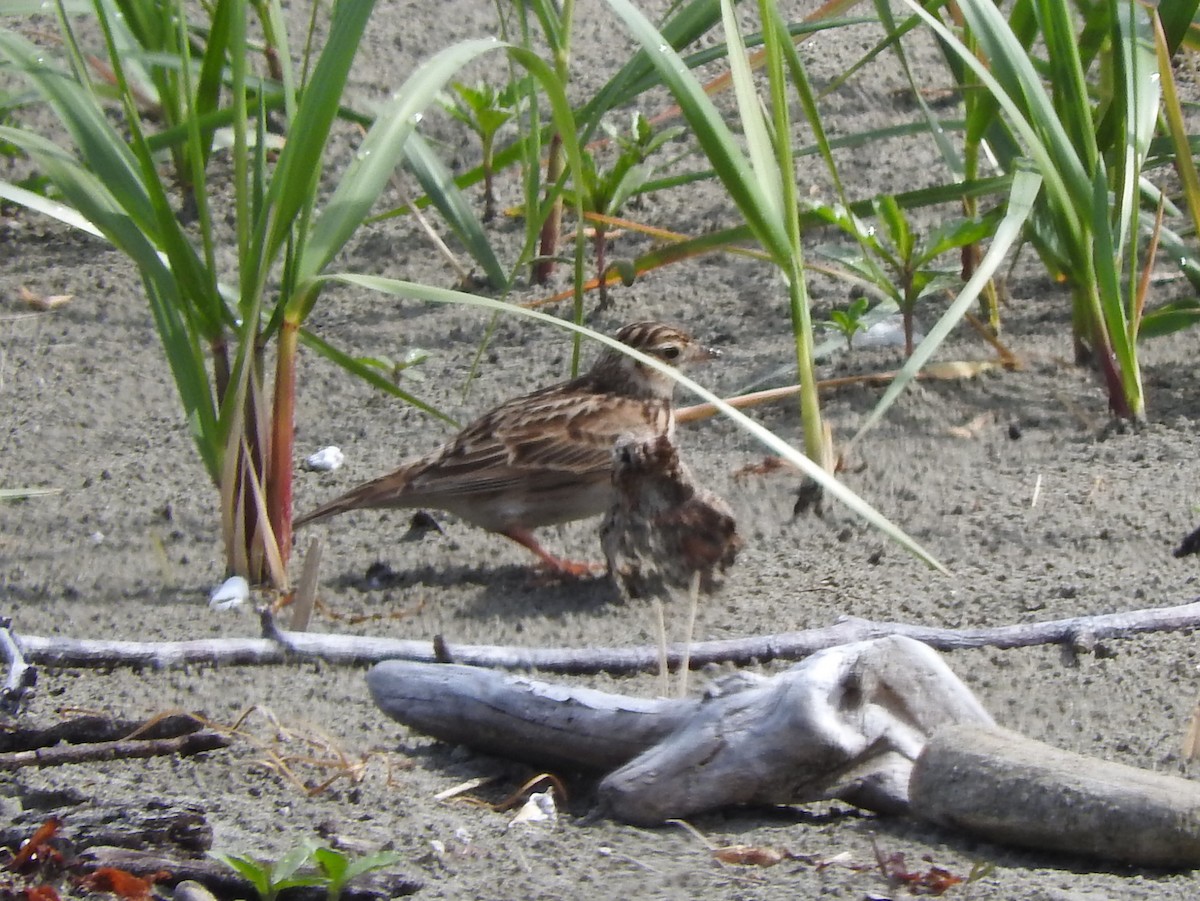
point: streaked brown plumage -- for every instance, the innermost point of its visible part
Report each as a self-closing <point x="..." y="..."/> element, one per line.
<point x="543" y="458"/>
<point x="662" y="528"/>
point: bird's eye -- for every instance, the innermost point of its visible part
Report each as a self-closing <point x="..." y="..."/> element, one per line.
<point x="670" y="352"/>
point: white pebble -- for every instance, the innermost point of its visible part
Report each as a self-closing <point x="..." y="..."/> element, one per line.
<point x="887" y="332"/>
<point x="230" y="594"/>
<point x="327" y="459"/>
<point x="540" y="808"/>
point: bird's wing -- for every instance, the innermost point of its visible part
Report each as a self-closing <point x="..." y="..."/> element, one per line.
<point x="557" y="432"/>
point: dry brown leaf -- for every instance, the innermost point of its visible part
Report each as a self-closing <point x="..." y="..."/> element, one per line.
<point x="751" y="855"/>
<point x="43" y="302"/>
<point x="973" y="428"/>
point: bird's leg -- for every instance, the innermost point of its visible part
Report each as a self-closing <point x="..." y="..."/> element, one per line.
<point x="559" y="566"/>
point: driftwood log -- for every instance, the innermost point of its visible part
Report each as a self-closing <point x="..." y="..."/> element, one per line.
<point x="847" y="723"/>
<point x="1009" y="789"/>
<point x="883" y="724"/>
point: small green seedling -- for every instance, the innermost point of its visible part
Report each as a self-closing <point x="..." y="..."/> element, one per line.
<point x="323" y="867"/>
<point x="338" y="870"/>
<point x="895" y="260"/>
<point x="849" y="322"/>
<point x="403" y="368"/>
<point x="268" y="878"/>
<point x="484" y="110"/>
<point x="606" y="190"/>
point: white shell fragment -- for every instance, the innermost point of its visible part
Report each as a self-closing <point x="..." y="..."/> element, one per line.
<point x="540" y="808"/>
<point x="327" y="459"/>
<point x="887" y="332"/>
<point x="230" y="594"/>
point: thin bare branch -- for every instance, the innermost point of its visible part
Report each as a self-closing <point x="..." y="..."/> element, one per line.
<point x="1080" y="633"/>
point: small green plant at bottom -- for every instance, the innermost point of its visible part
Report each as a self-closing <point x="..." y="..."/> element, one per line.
<point x="308" y="864"/>
<point x="849" y="322"/>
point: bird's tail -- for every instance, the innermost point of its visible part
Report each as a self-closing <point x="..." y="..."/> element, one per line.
<point x="385" y="491"/>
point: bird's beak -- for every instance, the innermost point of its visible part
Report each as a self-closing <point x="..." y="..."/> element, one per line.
<point x="708" y="353"/>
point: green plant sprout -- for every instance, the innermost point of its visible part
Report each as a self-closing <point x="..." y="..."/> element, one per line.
<point x="605" y="191"/>
<point x="894" y="260"/>
<point x="321" y="866"/>
<point x="484" y="110"/>
<point x="403" y="368"/>
<point x="849" y="322"/>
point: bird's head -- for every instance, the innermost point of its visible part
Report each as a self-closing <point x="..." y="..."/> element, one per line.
<point x="617" y="372"/>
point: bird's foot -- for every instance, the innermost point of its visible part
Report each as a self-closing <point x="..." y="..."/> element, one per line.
<point x="557" y="567"/>
<point x="562" y="568"/>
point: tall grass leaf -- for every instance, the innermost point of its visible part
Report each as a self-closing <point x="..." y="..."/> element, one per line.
<point x="1137" y="95"/>
<point x="1025" y="187"/>
<point x="759" y="143"/>
<point x="437" y="182"/>
<point x="365" y="178"/>
<point x="1067" y="185"/>
<point x="1183" y="158"/>
<point x="1176" y="18"/>
<point x="637" y="76"/>
<point x="107" y="154"/>
<point x="773" y="442"/>
<point x="711" y="132"/>
<point x="1068" y="81"/>
<point x="293" y="185"/>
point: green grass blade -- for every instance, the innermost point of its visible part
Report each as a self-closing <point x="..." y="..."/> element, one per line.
<point x="293" y="185"/>
<point x="1009" y="76"/>
<point x="713" y="135"/>
<point x="1068" y="82"/>
<point x="438" y="184"/>
<point x="380" y="152"/>
<point x="759" y="143"/>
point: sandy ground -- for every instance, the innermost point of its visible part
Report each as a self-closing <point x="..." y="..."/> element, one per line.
<point x="130" y="547"/>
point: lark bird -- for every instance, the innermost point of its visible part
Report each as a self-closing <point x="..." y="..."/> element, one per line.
<point x="662" y="529"/>
<point x="543" y="458"/>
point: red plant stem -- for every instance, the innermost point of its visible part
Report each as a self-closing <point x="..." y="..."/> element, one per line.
<point x="600" y="242"/>
<point x="283" y="415"/>
<point x="544" y="267"/>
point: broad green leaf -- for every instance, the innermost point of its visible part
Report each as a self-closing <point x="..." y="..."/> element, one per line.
<point x="710" y="130"/>
<point x="438" y="184"/>
<point x="365" y="178"/>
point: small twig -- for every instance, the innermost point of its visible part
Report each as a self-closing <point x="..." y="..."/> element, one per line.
<point x="948" y="371"/>
<point x="360" y="650"/>
<point x="185" y="745"/>
<point x="306" y="591"/>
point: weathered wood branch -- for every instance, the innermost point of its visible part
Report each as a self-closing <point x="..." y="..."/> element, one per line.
<point x="185" y="746"/>
<point x="1007" y="788"/>
<point x="847" y="722"/>
<point x="21" y="676"/>
<point x="92" y="728"/>
<point x="1079" y="632"/>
